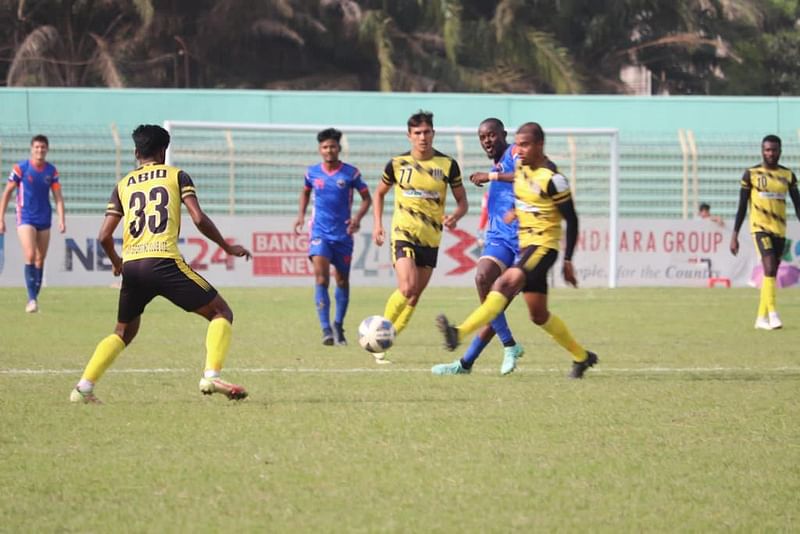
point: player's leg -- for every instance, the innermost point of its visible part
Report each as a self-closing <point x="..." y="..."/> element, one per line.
<point x="343" y="254"/>
<point x="133" y="298"/>
<point x="322" y="299"/>
<point x="27" y="240"/>
<point x="405" y="270"/>
<point x="503" y="291"/>
<point x="423" y="277"/>
<point x="767" y="315"/>
<point x="535" y="294"/>
<point x="42" y="244"/>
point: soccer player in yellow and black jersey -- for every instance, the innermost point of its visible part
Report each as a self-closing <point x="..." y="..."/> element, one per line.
<point x="543" y="200"/>
<point x="149" y="200"/>
<point x="764" y="188"/>
<point x="420" y="179"/>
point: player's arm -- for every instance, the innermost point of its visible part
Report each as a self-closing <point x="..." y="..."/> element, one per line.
<point x="741" y="211"/>
<point x="4" y="200"/>
<point x="105" y="237"/>
<point x="378" y="235"/>
<point x="366" y="201"/>
<point x="459" y="193"/>
<point x="60" y="210"/>
<point x="305" y="195"/>
<point x="795" y="196"/>
<point x="559" y="191"/>
<point x="384" y="186"/>
<point x="480" y="178"/>
<point x="202" y="221"/>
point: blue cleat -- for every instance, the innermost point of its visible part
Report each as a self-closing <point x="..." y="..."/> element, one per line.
<point x="454" y="368"/>
<point x="510" y="357"/>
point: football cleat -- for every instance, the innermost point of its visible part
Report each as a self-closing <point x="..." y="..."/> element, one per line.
<point x="775" y="321"/>
<point x="510" y="357"/>
<point x="338" y="334"/>
<point x="449" y="332"/>
<point x="578" y="368"/>
<point x="327" y="337"/>
<point x="762" y="323"/>
<point x="454" y="368"/>
<point x="32" y="306"/>
<point x="209" y="386"/>
<point x="84" y="397"/>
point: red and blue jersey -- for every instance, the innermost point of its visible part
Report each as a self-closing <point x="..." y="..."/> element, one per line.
<point x="33" y="192"/>
<point x="500" y="200"/>
<point x="333" y="199"/>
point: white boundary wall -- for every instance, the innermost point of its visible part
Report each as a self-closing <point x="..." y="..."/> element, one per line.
<point x="650" y="253"/>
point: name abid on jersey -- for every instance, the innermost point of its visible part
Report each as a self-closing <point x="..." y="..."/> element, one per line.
<point x="149" y="201"/>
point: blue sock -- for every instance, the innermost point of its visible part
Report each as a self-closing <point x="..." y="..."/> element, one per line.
<point x="342" y="296"/>
<point x="323" y="302"/>
<point x="500" y="326"/>
<point x="30" y="281"/>
<point x="473" y="351"/>
<point x="38" y="283"/>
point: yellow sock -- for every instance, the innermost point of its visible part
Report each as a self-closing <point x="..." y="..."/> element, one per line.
<point x="559" y="331"/>
<point x="395" y="306"/>
<point x="494" y="303"/>
<point x="762" y="298"/>
<point x="405" y="316"/>
<point x="768" y="294"/>
<point x="104" y="355"/>
<point x="218" y="339"/>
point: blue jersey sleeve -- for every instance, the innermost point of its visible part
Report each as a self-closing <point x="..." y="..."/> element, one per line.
<point x="307" y="180"/>
<point x="358" y="182"/>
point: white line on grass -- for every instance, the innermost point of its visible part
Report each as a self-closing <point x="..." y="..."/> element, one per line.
<point x="357" y="370"/>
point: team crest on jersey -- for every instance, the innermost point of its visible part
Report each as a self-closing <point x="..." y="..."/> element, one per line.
<point x="316" y="242"/>
<point x="437" y="173"/>
<point x="340" y="183"/>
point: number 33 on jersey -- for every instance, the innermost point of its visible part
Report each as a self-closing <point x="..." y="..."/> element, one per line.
<point x="149" y="201"/>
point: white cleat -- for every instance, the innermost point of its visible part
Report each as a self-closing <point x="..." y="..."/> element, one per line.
<point x="775" y="321"/>
<point x="762" y="323"/>
<point x="32" y="306"/>
<point x="83" y="397"/>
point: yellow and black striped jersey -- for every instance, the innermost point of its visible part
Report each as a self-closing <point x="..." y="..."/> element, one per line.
<point x="768" y="189"/>
<point x="538" y="193"/>
<point x="420" y="194"/>
<point x="149" y="202"/>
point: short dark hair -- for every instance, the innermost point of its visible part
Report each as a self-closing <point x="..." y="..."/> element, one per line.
<point x="497" y="123"/>
<point x="39" y="138"/>
<point x="329" y="133"/>
<point x="149" y="139"/>
<point x="419" y="118"/>
<point x="534" y="128"/>
<point x="771" y="138"/>
<point x="704" y="206"/>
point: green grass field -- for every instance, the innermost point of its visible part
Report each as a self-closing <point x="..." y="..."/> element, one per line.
<point x="691" y="422"/>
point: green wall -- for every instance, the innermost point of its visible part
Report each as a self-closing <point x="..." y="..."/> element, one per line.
<point x="40" y="108"/>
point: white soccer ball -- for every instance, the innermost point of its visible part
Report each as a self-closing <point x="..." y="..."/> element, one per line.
<point x="376" y="334"/>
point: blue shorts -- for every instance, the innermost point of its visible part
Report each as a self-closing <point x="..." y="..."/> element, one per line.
<point x="502" y="252"/>
<point x="36" y="223"/>
<point x="339" y="253"/>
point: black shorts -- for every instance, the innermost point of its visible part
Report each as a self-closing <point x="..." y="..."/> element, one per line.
<point x="536" y="261"/>
<point x="145" y="279"/>
<point x="769" y="244"/>
<point x="422" y="256"/>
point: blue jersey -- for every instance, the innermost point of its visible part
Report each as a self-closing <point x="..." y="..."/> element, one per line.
<point x="33" y="192"/>
<point x="333" y="200"/>
<point x="501" y="200"/>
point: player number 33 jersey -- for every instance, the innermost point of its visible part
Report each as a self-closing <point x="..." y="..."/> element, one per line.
<point x="149" y="202"/>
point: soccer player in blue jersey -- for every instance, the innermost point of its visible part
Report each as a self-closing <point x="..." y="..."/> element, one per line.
<point x="501" y="245"/>
<point x="332" y="229"/>
<point x="34" y="179"/>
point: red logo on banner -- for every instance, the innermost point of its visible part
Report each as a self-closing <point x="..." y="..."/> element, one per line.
<point x="281" y="254"/>
<point x="459" y="251"/>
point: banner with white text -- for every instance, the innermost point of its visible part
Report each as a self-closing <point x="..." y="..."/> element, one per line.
<point x="693" y="253"/>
